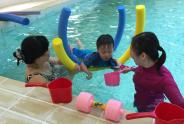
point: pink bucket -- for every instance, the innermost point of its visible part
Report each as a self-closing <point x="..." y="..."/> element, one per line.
<point x="112" y="78"/>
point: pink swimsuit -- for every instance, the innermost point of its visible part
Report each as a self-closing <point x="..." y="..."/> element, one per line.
<point x="151" y="88"/>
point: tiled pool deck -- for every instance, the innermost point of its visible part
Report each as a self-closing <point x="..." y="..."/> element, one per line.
<point x="20" y="105"/>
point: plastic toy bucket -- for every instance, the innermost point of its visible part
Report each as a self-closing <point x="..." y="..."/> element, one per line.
<point x="60" y="89"/>
<point x="112" y="78"/>
<point x="164" y="113"/>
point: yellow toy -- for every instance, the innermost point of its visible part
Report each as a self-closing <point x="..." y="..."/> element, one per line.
<point x="61" y="54"/>
<point x="140" y="21"/>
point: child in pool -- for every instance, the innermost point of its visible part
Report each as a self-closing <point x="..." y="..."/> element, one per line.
<point x="101" y="58"/>
<point x="40" y="67"/>
<point x="152" y="79"/>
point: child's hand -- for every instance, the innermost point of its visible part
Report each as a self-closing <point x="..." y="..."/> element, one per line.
<point x="89" y="75"/>
<point x="85" y="69"/>
<point x="77" y="67"/>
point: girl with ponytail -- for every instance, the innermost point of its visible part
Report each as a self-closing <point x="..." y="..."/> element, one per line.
<point x="153" y="81"/>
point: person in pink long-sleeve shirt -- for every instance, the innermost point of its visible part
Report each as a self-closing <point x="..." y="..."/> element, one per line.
<point x="153" y="81"/>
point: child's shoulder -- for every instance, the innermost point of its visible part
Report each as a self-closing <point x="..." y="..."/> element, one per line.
<point x="93" y="55"/>
<point x="164" y="69"/>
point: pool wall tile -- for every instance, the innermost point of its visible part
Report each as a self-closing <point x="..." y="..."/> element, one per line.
<point x="15" y="86"/>
<point x="34" y="108"/>
<point x="2" y="79"/>
<point x="41" y="94"/>
<point x="1" y="111"/>
<point x="7" y="99"/>
<point x="11" y="118"/>
<point x="70" y="117"/>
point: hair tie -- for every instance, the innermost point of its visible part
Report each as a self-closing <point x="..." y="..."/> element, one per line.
<point x="160" y="48"/>
<point x="18" y="55"/>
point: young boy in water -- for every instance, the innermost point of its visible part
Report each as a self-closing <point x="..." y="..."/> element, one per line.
<point x="101" y="58"/>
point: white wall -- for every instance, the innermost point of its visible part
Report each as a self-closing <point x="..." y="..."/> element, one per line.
<point x="4" y="3"/>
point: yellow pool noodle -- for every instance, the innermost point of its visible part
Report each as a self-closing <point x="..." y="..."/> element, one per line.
<point x="61" y="54"/>
<point x="140" y="22"/>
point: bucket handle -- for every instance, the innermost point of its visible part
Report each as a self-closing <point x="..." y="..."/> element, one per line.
<point x="38" y="84"/>
<point x="140" y="115"/>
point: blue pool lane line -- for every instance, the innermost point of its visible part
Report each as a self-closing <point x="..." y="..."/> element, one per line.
<point x="14" y="18"/>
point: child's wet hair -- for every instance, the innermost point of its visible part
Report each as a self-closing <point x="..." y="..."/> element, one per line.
<point x="104" y="39"/>
<point x="32" y="47"/>
<point x="148" y="43"/>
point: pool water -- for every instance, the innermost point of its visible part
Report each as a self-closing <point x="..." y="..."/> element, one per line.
<point x="88" y="20"/>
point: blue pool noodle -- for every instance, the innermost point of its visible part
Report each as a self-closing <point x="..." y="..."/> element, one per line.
<point x="14" y="18"/>
<point x="62" y="32"/>
<point x="121" y="26"/>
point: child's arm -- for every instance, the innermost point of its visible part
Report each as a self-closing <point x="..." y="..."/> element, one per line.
<point x="84" y="68"/>
<point x="173" y="93"/>
<point x="127" y="69"/>
<point x="118" y="66"/>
